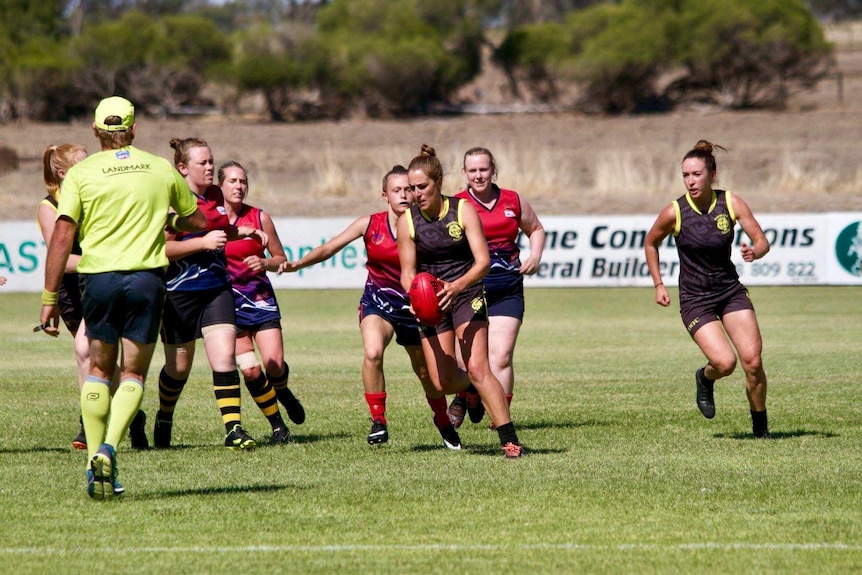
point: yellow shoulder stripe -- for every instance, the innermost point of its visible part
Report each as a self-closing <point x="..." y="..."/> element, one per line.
<point x="678" y="225"/>
<point x="730" y="211"/>
<point x="409" y="215"/>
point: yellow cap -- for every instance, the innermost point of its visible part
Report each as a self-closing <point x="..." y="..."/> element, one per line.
<point x="115" y="106"/>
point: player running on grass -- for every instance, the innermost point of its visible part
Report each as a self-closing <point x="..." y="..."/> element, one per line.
<point x="504" y="215"/>
<point x="443" y="236"/>
<point x="384" y="309"/>
<point x="714" y="305"/>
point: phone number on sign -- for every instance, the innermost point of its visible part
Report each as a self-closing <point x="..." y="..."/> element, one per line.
<point x="773" y="269"/>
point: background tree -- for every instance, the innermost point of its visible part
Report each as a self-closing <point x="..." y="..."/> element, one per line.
<point x="396" y="57"/>
<point x="160" y="66"/>
<point x="736" y="53"/>
<point x="748" y="53"/>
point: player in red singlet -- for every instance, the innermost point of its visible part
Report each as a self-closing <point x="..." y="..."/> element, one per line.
<point x="504" y="214"/>
<point x="384" y="310"/>
<point x="258" y="319"/>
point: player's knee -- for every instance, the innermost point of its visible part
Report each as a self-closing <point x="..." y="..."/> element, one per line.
<point x="501" y="358"/>
<point x="724" y="366"/>
<point x="374" y="355"/>
<point x="752" y="365"/>
<point x="246" y="361"/>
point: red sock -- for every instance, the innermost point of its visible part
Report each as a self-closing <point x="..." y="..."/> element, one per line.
<point x="377" y="405"/>
<point x="461" y="395"/>
<point x="509" y="398"/>
<point x="438" y="406"/>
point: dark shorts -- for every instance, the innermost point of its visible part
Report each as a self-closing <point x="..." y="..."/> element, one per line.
<point x="69" y="302"/>
<point x="269" y="324"/>
<point x="507" y="302"/>
<point x="403" y="322"/>
<point x="468" y="306"/>
<point x="696" y="314"/>
<point x="187" y="312"/>
<point x="123" y="305"/>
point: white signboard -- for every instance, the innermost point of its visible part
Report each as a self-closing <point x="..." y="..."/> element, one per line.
<point x="822" y="248"/>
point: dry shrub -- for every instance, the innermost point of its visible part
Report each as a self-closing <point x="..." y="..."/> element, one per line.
<point x="8" y="160"/>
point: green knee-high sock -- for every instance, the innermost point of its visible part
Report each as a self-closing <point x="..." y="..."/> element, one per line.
<point x="95" y="406"/>
<point x="124" y="407"/>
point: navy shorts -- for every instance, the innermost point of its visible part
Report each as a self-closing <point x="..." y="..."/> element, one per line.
<point x="404" y="323"/>
<point x="468" y="306"/>
<point x="123" y="305"/>
<point x="269" y="324"/>
<point x="697" y="313"/>
<point x="187" y="312"/>
<point x="507" y="301"/>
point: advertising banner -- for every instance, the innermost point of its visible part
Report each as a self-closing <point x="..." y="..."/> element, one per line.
<point x="580" y="251"/>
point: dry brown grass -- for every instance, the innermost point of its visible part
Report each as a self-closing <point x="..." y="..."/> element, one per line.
<point x="566" y="164"/>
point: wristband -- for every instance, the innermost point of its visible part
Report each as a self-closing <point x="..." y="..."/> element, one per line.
<point x="50" y="297"/>
<point x="659" y="284"/>
<point x="172" y="220"/>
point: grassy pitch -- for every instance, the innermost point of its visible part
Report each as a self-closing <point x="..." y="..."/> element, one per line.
<point x="623" y="474"/>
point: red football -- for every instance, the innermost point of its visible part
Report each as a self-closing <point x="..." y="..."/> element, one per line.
<point x="423" y="298"/>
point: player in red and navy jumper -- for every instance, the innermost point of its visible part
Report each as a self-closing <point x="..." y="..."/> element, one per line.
<point x="199" y="301"/>
<point x="384" y="309"/>
<point x="258" y="319"/>
<point x="443" y="236"/>
<point x="504" y="215"/>
<point x="714" y="305"/>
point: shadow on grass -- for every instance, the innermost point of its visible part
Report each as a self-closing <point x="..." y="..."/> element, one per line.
<point x="23" y="450"/>
<point x="268" y="488"/>
<point x="491" y="449"/>
<point x="556" y="424"/>
<point x="262" y="443"/>
<point x="778" y="434"/>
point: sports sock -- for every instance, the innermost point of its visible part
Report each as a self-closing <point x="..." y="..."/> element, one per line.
<point x="124" y="407"/>
<point x="507" y="434"/>
<point x="509" y="398"/>
<point x="438" y="406"/>
<point x="377" y="406"/>
<point x="264" y="396"/>
<point x="95" y="407"/>
<point x="759" y="424"/>
<point x="462" y="394"/>
<point x="169" y="392"/>
<point x="227" y="393"/>
<point x="279" y="382"/>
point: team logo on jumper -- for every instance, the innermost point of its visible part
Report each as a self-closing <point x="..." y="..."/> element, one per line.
<point x="456" y="232"/>
<point x="122" y="154"/>
<point x="376" y="238"/>
<point x="722" y="222"/>
<point x="848" y="248"/>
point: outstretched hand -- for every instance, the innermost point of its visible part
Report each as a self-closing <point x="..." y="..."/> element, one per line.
<point x="288" y="267"/>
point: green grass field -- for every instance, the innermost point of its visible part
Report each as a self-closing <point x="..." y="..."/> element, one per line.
<point x="623" y="474"/>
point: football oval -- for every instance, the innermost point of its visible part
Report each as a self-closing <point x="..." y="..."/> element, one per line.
<point x="423" y="298"/>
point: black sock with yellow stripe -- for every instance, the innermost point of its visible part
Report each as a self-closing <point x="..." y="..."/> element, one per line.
<point x="264" y="396"/>
<point x="227" y="393"/>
